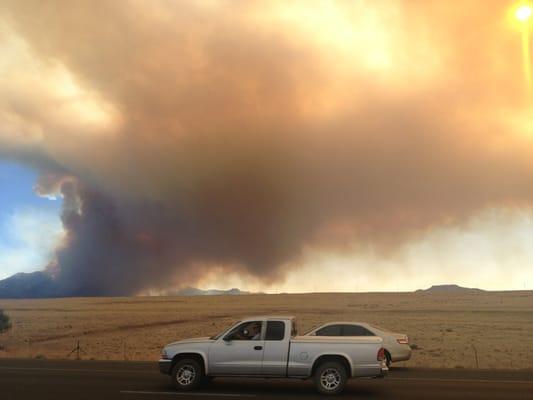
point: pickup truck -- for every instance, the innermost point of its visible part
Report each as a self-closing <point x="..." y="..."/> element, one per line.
<point x="269" y="347"/>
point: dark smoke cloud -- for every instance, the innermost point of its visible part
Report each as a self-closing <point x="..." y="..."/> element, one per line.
<point x="235" y="142"/>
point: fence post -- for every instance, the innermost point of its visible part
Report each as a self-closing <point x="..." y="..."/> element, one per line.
<point x="78" y="350"/>
<point x="475" y="354"/>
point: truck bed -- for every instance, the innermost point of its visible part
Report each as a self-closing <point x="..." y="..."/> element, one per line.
<point x="304" y="350"/>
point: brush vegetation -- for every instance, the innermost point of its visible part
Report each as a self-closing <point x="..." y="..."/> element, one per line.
<point x="5" y="322"/>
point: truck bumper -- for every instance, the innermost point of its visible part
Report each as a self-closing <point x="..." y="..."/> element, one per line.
<point x="165" y="366"/>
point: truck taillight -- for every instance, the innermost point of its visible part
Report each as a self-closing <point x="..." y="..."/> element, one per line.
<point x="381" y="354"/>
<point x="404" y="340"/>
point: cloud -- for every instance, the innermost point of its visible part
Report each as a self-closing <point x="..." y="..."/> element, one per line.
<point x="240" y="134"/>
<point x="490" y="250"/>
<point x="29" y="238"/>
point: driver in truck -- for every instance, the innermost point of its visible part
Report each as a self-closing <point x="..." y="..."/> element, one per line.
<point x="255" y="331"/>
<point x="250" y="332"/>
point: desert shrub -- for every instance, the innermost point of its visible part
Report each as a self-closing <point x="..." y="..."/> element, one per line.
<point x="5" y="323"/>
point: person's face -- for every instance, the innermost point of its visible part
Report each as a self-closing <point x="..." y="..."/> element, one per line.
<point x="254" y="329"/>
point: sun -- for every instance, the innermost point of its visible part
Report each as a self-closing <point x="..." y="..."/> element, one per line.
<point x="524" y="12"/>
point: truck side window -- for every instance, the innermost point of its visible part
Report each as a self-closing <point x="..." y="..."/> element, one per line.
<point x="246" y="331"/>
<point x="275" y="330"/>
<point x="330" y="330"/>
<point x="355" y="330"/>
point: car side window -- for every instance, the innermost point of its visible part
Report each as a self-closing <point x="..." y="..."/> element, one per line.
<point x="355" y="330"/>
<point x="250" y="330"/>
<point x="330" y="330"/>
<point x="275" y="330"/>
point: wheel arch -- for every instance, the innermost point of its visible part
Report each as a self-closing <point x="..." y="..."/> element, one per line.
<point x="198" y="356"/>
<point x="342" y="358"/>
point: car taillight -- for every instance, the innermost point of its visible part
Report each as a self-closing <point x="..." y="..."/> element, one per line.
<point x="404" y="340"/>
<point x="164" y="355"/>
<point x="381" y="354"/>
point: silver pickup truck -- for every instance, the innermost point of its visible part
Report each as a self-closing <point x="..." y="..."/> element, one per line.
<point x="270" y="347"/>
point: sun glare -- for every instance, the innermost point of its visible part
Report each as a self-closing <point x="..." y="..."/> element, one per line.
<point x="521" y="15"/>
<point x="524" y="12"/>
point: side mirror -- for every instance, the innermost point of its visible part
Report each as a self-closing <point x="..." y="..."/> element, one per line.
<point x="227" y="338"/>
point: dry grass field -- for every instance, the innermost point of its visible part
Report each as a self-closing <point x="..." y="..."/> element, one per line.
<point x="444" y="329"/>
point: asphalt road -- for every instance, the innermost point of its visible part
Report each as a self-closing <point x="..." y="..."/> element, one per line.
<point x="99" y="380"/>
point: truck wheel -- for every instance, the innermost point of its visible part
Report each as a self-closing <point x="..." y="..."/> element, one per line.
<point x="330" y="378"/>
<point x="187" y="374"/>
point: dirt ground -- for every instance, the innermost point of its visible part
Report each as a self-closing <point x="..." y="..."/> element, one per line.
<point x="445" y="330"/>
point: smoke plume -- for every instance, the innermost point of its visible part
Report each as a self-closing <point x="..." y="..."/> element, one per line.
<point x="192" y="135"/>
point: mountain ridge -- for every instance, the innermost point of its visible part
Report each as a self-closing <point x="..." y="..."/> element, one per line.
<point x="449" y="289"/>
<point x="29" y="285"/>
<point x="39" y="285"/>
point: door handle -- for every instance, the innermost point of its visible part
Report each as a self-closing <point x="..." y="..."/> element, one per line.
<point x="258" y="348"/>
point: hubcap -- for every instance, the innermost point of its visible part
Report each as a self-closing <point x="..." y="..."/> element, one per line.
<point x="330" y="379"/>
<point x="186" y="375"/>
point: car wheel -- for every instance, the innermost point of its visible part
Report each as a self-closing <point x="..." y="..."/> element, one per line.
<point x="388" y="359"/>
<point x="330" y="378"/>
<point x="187" y="374"/>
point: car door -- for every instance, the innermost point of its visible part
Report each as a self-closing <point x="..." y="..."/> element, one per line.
<point x="275" y="355"/>
<point x="239" y="352"/>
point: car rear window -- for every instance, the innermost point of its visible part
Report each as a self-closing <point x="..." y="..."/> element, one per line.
<point x="275" y="330"/>
<point x="355" y="330"/>
<point x="330" y="330"/>
<point x="344" y="330"/>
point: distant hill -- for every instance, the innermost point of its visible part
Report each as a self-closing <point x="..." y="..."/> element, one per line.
<point x="451" y="289"/>
<point x="41" y="285"/>
<point x="191" y="291"/>
<point x="28" y="285"/>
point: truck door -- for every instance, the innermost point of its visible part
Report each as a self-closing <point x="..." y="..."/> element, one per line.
<point x="275" y="355"/>
<point x="239" y="352"/>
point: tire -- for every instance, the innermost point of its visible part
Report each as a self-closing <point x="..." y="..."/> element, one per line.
<point x="388" y="359"/>
<point x="187" y="374"/>
<point x="330" y="378"/>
